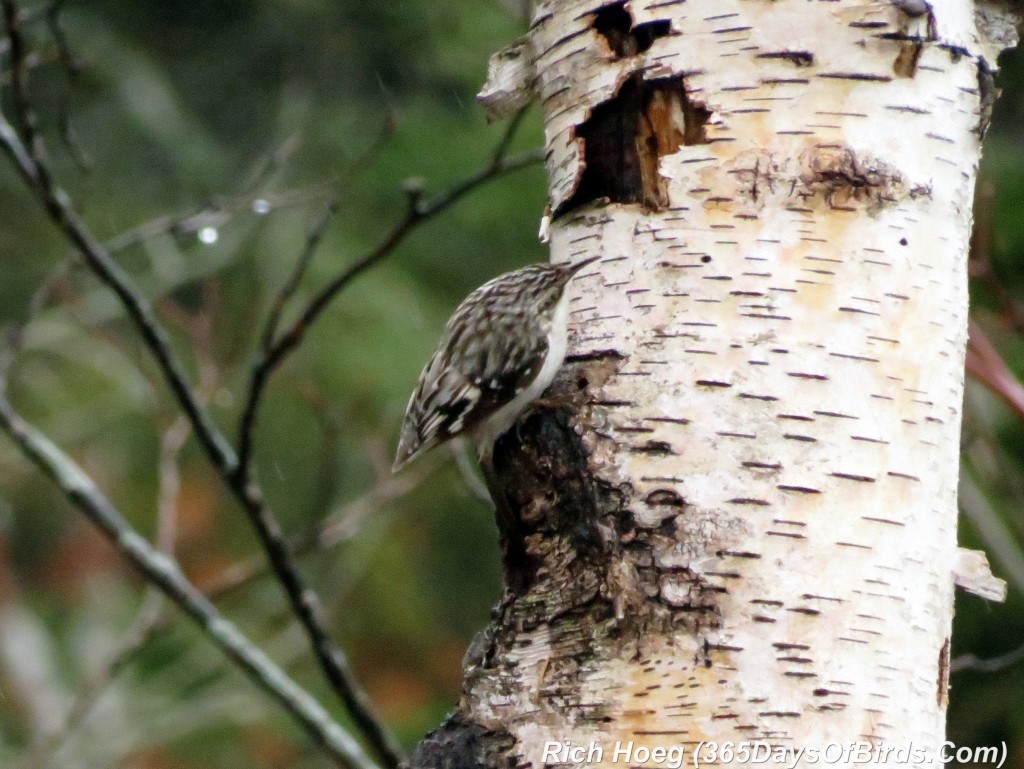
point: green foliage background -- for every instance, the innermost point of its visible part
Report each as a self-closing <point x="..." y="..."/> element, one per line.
<point x="182" y="107"/>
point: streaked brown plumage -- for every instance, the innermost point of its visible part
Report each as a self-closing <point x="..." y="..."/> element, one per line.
<point x="499" y="351"/>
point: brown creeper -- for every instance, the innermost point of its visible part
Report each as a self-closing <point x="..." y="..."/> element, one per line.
<point x="500" y="350"/>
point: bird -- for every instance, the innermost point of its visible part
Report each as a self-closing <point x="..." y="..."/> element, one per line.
<point x="500" y="350"/>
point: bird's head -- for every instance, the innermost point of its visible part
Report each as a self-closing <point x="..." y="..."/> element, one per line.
<point x="546" y="283"/>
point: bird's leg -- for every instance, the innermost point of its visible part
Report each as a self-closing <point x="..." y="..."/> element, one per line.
<point x="479" y="489"/>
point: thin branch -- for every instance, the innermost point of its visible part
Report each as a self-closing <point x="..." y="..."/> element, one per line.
<point x="193" y="220"/>
<point x="85" y="699"/>
<point x="288" y="289"/>
<point x="986" y="365"/>
<point x="58" y="206"/>
<point x="416" y="214"/>
<point x="251" y="198"/>
<point x="163" y="573"/>
<point x="268" y="163"/>
<point x="502" y="148"/>
<point x="67" y="56"/>
<point x="66" y="59"/>
<point x="304" y="602"/>
<point x="28" y="158"/>
<point x="149" y="615"/>
<point x="990" y="665"/>
<point x="278" y="157"/>
<point x="14" y="333"/>
<point x="999" y="540"/>
<point x="340" y="526"/>
<point x="270" y="327"/>
<point x="366" y="159"/>
<point x="26" y="119"/>
<point x="307" y="608"/>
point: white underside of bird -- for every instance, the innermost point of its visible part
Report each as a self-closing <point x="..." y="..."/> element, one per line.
<point x="502" y="419"/>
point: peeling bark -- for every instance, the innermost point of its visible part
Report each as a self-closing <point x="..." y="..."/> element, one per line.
<point x="734" y="518"/>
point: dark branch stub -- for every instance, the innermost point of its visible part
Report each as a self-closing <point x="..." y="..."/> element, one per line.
<point x="626" y="136"/>
<point x="615" y="25"/>
<point x="623" y="138"/>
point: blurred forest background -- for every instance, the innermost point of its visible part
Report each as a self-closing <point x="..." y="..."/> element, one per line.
<point x="204" y="142"/>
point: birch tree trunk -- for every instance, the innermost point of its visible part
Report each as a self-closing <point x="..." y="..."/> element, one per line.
<point x="735" y="520"/>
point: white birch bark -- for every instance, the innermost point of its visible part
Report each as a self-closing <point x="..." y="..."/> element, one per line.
<point x="770" y="360"/>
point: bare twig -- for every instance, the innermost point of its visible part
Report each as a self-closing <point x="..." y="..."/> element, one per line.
<point x="13" y="334"/>
<point x="150" y="614"/>
<point x="269" y="162"/>
<point x="302" y="263"/>
<point x="26" y="119"/>
<point x="269" y="358"/>
<point x="163" y="573"/>
<point x="264" y="366"/>
<point x="222" y="208"/>
<point x="416" y="214"/>
<point x="306" y="606"/>
<point x="218" y="214"/>
<point x="273" y="321"/>
<point x="58" y="206"/>
<point x="365" y="159"/>
<point x="85" y="699"/>
<point x="986" y="365"/>
<point x="340" y="526"/>
<point x="990" y="665"/>
<point x="999" y="540"/>
<point x="72" y="70"/>
<point x="28" y="158"/>
<point x="67" y="57"/>
<point x="502" y="148"/>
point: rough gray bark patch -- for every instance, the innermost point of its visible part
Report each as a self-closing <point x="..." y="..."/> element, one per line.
<point x="459" y="743"/>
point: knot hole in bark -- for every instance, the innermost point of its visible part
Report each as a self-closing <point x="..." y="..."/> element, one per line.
<point x="623" y="140"/>
<point x="615" y="25"/>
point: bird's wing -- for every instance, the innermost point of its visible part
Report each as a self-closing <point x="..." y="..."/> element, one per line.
<point x="485" y="359"/>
